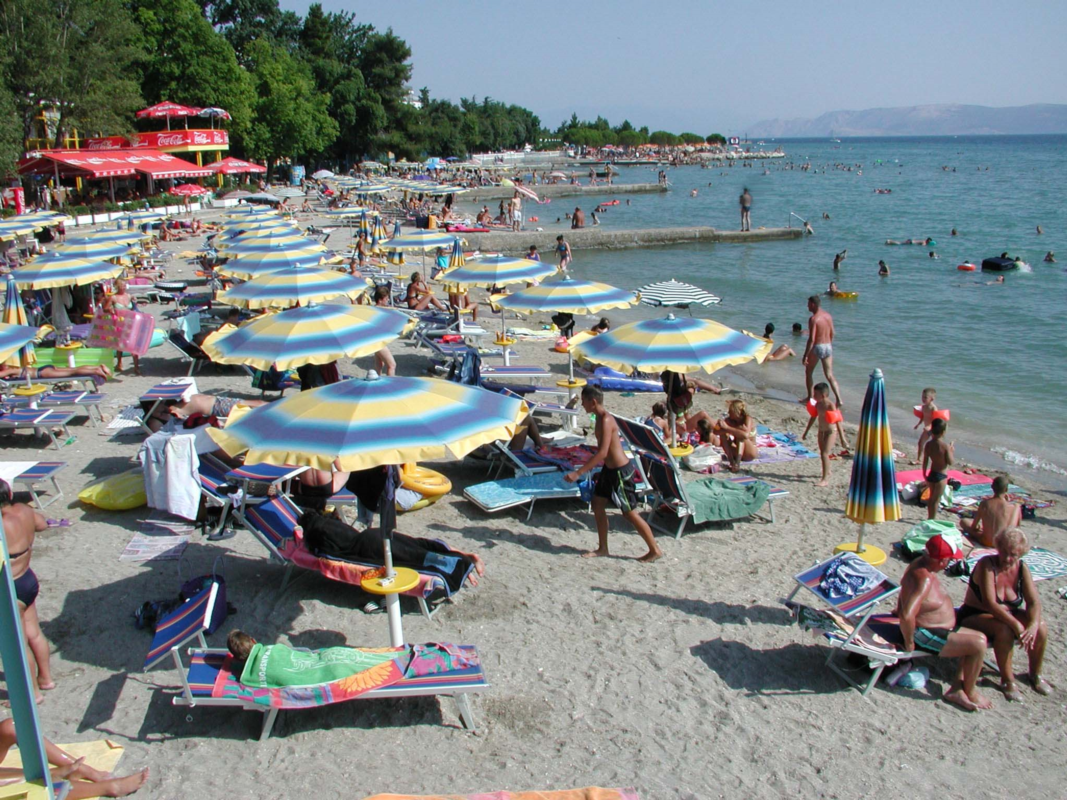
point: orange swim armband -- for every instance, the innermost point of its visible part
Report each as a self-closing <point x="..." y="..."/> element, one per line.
<point x="941" y="413"/>
<point x="833" y="415"/>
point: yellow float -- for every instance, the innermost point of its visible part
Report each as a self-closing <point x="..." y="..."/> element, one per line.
<point x="426" y="482"/>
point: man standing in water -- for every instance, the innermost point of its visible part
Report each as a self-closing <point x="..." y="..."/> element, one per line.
<point x="820" y="347"/>
<point x="615" y="483"/>
<point x="746" y="206"/>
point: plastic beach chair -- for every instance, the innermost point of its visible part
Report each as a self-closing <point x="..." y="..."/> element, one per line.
<point x="274" y="524"/>
<point x="209" y="681"/>
<point x="664" y="477"/>
<point x="189" y="352"/>
<point x="39" y="473"/>
<point x="89" y="401"/>
<point x="161" y="392"/>
<point x="42" y="421"/>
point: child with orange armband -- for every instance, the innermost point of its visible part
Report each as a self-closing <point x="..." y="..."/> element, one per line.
<point x="830" y="418"/>
<point x="925" y="413"/>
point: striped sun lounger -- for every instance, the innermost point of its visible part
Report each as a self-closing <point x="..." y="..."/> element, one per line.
<point x="42" y="421"/>
<point x="161" y="392"/>
<point x="41" y="472"/>
<point x="90" y="401"/>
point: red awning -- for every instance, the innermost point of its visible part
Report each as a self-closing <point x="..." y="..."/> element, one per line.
<point x="234" y="166"/>
<point x="167" y="109"/>
<point x="109" y="164"/>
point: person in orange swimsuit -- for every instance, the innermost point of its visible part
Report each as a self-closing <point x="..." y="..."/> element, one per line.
<point x="830" y="419"/>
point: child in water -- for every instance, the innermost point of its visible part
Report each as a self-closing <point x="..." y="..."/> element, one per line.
<point x="830" y="419"/>
<point x="929" y="406"/>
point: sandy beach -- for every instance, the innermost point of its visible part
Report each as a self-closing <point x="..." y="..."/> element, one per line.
<point x="682" y="678"/>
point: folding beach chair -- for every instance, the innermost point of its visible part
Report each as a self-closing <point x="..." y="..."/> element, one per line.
<point x="209" y="681"/>
<point x="274" y="524"/>
<point x="88" y="401"/>
<point x="216" y="491"/>
<point x="494" y="496"/>
<point x="39" y="473"/>
<point x="42" y="421"/>
<point x="542" y="408"/>
<point x="523" y="462"/>
<point x="161" y="392"/>
<point x="846" y="625"/>
<point x="665" y="477"/>
<point x="7" y="386"/>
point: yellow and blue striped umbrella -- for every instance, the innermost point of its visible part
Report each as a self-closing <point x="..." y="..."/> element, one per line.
<point x="872" y="492"/>
<point x="361" y="424"/>
<point x="456" y="258"/>
<point x="365" y="223"/>
<point x="423" y="240"/>
<point x="13" y="228"/>
<point x="294" y="286"/>
<point x="275" y="240"/>
<point x="93" y="249"/>
<point x="378" y="233"/>
<point x="141" y="217"/>
<point x="56" y="269"/>
<point x="116" y="236"/>
<point x="235" y="227"/>
<point x="251" y="265"/>
<point x="497" y="271"/>
<point x="676" y="344"/>
<point x="15" y="315"/>
<point x="316" y="334"/>
<point x="248" y="210"/>
<point x="15" y="337"/>
<point x="570" y="296"/>
<point x="347" y="211"/>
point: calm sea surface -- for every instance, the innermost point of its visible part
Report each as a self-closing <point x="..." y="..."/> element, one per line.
<point x="995" y="354"/>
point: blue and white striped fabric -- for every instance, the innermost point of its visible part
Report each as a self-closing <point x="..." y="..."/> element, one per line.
<point x="675" y="293"/>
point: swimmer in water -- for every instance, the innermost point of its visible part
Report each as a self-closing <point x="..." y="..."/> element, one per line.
<point x="933" y="254"/>
<point x="1050" y="257"/>
<point x="995" y="282"/>
<point x="954" y="232"/>
<point x="1039" y="231"/>
<point x="839" y="258"/>
<point x="693" y="193"/>
<point x="832" y="290"/>
<point x="808" y="229"/>
<point x="825" y="216"/>
<point x="883" y="269"/>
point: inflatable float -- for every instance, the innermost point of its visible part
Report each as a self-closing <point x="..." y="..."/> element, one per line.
<point x="465" y="229"/>
<point x="845" y="295"/>
<point x="611" y="380"/>
<point x="941" y="413"/>
<point x="610" y="203"/>
<point x="426" y="482"/>
<point x="968" y="267"/>
<point x="118" y="492"/>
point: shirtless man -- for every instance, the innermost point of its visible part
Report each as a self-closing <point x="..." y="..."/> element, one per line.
<point x="361" y="251"/>
<point x="839" y="258"/>
<point x="820" y="348"/>
<point x="615" y="481"/>
<point x="928" y="620"/>
<point x="993" y="516"/>
<point x="939" y="457"/>
<point x="21" y="526"/>
<point x="746" y="207"/>
<point x="578" y="219"/>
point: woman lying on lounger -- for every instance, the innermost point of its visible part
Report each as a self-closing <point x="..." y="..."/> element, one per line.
<point x="206" y="404"/>
<point x="99" y="372"/>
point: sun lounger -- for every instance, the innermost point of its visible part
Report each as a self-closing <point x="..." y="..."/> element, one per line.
<point x="32" y="477"/>
<point x="161" y="392"/>
<point x="285" y="383"/>
<point x="664" y="477"/>
<point x="542" y="408"/>
<point x="494" y="496"/>
<point x="9" y="385"/>
<point x="42" y="421"/>
<point x="209" y="681"/>
<point x="189" y="352"/>
<point x="89" y="401"/>
<point x="274" y="525"/>
<point x="213" y="483"/>
<point x="523" y="462"/>
<point x="845" y="625"/>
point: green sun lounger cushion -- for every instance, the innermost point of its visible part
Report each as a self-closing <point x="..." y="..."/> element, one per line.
<point x="717" y="500"/>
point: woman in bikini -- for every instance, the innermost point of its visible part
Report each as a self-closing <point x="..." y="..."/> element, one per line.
<point x="737" y="435"/>
<point x="1002" y="603"/>
<point x="420" y="296"/>
<point x="21" y="525"/>
<point x="681" y="389"/>
<point x="120" y="300"/>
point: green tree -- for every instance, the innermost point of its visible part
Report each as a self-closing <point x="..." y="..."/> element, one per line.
<point x="632" y="138"/>
<point x="244" y="21"/>
<point x="75" y="56"/>
<point x="715" y="138"/>
<point x="291" y="117"/>
<point x="187" y="61"/>
<point x="691" y="138"/>
<point x="10" y="133"/>
<point x="663" y="138"/>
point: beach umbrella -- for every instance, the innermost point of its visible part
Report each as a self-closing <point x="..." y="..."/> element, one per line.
<point x="378" y="233"/>
<point x="141" y="217"/>
<point x="497" y="271"/>
<point x="361" y="424"/>
<point x="264" y="197"/>
<point x="422" y="240"/>
<point x="872" y="490"/>
<point x="55" y="269"/>
<point x="315" y="334"/>
<point x="456" y="258"/>
<point x="255" y="228"/>
<point x="114" y="236"/>
<point x="675" y="293"/>
<point x="90" y="249"/>
<point x="320" y="174"/>
<point x="14" y="228"/>
<point x="241" y="211"/>
<point x="675" y="344"/>
<point x="15" y="315"/>
<point x="14" y="338"/>
<point x="347" y="211"/>
<point x="255" y="242"/>
<point x="251" y="265"/>
<point x="294" y="286"/>
<point x="189" y="190"/>
<point x="289" y="191"/>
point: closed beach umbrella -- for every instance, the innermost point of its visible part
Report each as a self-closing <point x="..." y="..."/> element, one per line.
<point x="872" y="491"/>
<point x="678" y="294"/>
<point x="141" y="217"/>
<point x="316" y="334"/>
<point x="15" y="316"/>
<point x="251" y="265"/>
<point x="456" y="258"/>
<point x="294" y="286"/>
<point x="56" y="269"/>
<point x="378" y="233"/>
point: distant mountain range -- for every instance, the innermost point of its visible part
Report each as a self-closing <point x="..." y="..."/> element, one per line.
<point x="934" y="120"/>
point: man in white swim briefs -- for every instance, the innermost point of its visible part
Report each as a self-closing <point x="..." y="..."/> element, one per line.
<point x="820" y="348"/>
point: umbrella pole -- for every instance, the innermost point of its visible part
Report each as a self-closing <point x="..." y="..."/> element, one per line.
<point x="671" y="418"/>
<point x="860" y="548"/>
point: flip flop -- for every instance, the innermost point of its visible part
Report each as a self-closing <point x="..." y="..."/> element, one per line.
<point x="58" y="523"/>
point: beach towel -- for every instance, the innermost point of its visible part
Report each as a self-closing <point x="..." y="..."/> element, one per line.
<point x="916" y="476"/>
<point x="914" y="541"/>
<point x="102" y="754"/>
<point x="1044" y="564"/>
<point x="276" y="666"/>
<point x="715" y="500"/>
<point x="591" y="793"/>
<point x="848" y="577"/>
<point x="411" y="661"/>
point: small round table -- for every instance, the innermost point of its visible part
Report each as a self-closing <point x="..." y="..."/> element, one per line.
<point x="874" y="556"/>
<point x="505" y="342"/>
<point x="681" y="450"/>
<point x="70" y="348"/>
<point x="375" y="582"/>
<point x="33" y="392"/>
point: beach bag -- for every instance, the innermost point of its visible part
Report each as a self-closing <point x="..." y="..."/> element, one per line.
<point x="194" y="586"/>
<point x="703" y="458"/>
<point x="118" y="492"/>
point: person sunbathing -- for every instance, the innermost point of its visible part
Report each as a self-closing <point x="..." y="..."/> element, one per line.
<point x="420" y="296"/>
<point x="84" y="780"/>
<point x="994" y="516"/>
<point x="205" y="404"/>
<point x="1002" y="603"/>
<point x="97" y="372"/>
<point x="737" y="435"/>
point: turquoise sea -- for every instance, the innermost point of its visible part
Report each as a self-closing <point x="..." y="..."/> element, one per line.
<point x="996" y="354"/>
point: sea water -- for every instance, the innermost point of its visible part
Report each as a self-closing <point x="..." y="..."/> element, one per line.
<point x="995" y="354"/>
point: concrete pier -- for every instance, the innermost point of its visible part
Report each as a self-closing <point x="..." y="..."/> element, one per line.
<point x="561" y="190"/>
<point x="607" y="239"/>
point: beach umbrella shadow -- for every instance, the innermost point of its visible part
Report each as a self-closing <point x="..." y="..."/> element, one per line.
<point x="718" y="612"/>
<point x="793" y="669"/>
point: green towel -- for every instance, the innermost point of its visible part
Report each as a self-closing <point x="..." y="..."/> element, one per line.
<point x="914" y="541"/>
<point x="275" y="666"/>
<point x="718" y="500"/>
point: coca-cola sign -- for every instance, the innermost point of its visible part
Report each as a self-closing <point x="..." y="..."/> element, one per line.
<point x="106" y="143"/>
<point x="194" y="138"/>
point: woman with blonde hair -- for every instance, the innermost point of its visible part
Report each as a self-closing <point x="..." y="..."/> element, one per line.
<point x="737" y="435"/>
<point x="1002" y="603"/>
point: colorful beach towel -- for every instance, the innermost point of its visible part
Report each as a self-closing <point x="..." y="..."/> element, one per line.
<point x="1044" y="564"/>
<point x="916" y="476"/>
<point x="591" y="793"/>
<point x="278" y="666"/>
<point x="774" y="446"/>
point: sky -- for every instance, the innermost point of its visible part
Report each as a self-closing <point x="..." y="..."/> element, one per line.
<point x="711" y="67"/>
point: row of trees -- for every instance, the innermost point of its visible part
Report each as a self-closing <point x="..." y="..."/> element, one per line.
<point x="322" y="88"/>
<point x="600" y="133"/>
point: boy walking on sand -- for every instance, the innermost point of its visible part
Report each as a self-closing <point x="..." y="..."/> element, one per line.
<point x="939" y="456"/>
<point x="829" y="417"/>
<point x="615" y="481"/>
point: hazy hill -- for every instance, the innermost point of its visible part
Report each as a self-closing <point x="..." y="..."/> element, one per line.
<point x="934" y="120"/>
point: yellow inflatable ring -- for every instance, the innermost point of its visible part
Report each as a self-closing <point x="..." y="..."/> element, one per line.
<point x="846" y="295"/>
<point x="425" y="481"/>
<point x="426" y="501"/>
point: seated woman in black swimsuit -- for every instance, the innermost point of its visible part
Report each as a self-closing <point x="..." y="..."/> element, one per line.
<point x="1002" y="603"/>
